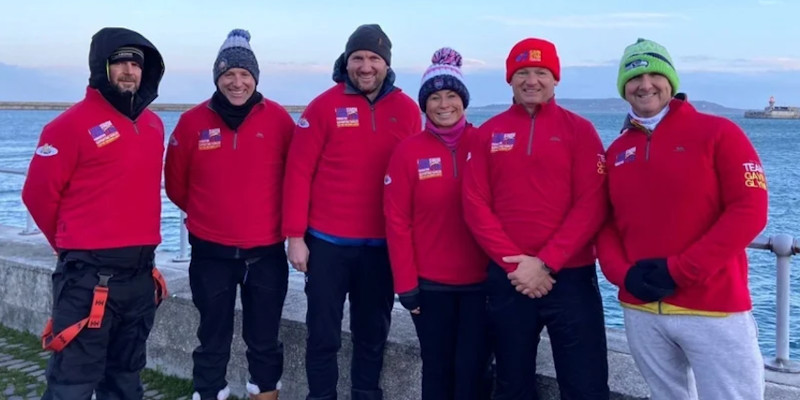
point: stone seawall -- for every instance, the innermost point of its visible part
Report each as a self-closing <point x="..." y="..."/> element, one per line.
<point x="26" y="263"/>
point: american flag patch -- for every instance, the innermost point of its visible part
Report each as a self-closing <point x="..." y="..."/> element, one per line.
<point x="104" y="133"/>
<point x="429" y="168"/>
<point x="347" y="117"/>
<point x="503" y="141"/>
<point x="210" y="139"/>
<point x="626" y="157"/>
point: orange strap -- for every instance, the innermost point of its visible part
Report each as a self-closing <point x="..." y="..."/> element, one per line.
<point x="161" y="286"/>
<point x="93" y="321"/>
<point x="58" y="342"/>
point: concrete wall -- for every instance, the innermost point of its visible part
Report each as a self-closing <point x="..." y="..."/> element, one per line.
<point x="25" y="300"/>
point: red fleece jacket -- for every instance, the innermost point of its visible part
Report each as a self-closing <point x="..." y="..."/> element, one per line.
<point x="337" y="161"/>
<point x="535" y="185"/>
<point x="230" y="182"/>
<point x="693" y="192"/>
<point x="425" y="226"/>
<point x="95" y="179"/>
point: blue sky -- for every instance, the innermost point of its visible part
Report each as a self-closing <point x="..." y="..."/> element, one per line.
<point x="304" y="37"/>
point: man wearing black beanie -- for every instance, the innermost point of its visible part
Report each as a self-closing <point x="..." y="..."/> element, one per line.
<point x="333" y="211"/>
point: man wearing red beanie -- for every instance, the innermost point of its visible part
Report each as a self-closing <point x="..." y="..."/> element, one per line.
<point x="534" y="197"/>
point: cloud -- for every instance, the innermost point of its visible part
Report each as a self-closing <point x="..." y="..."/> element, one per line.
<point x="597" y="21"/>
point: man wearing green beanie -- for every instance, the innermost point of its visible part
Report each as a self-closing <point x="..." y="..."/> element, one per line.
<point x="688" y="194"/>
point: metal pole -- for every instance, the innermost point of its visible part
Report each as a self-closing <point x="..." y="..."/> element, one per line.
<point x="183" y="254"/>
<point x="782" y="246"/>
<point x="30" y="226"/>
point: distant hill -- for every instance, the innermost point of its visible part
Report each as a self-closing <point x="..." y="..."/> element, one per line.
<point x="618" y="106"/>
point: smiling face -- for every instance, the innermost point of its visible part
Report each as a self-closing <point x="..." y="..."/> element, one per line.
<point x="648" y="94"/>
<point x="533" y="86"/>
<point x="444" y="108"/>
<point x="367" y="71"/>
<point x="237" y="85"/>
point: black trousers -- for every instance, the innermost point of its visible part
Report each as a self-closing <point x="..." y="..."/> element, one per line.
<point x="363" y="274"/>
<point x="451" y="328"/>
<point x="573" y="315"/>
<point x="106" y="360"/>
<point x="263" y="280"/>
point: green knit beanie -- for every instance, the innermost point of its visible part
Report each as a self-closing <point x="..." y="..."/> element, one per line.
<point x="646" y="57"/>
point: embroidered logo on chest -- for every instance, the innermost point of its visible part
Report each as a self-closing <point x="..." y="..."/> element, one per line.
<point x="347" y="117"/>
<point x="210" y="139"/>
<point x="429" y="168"/>
<point x="104" y="133"/>
<point x="628" y="156"/>
<point x="503" y="141"/>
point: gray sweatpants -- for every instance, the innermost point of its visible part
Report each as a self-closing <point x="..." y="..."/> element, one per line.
<point x="686" y="357"/>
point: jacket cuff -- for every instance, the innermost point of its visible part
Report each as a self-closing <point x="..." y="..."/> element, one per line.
<point x="552" y="259"/>
<point x="673" y="266"/>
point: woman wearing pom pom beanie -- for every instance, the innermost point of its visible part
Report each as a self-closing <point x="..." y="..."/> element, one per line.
<point x="438" y="268"/>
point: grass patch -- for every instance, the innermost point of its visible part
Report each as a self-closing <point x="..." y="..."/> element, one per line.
<point x="29" y="347"/>
<point x="20" y="381"/>
<point x="170" y="386"/>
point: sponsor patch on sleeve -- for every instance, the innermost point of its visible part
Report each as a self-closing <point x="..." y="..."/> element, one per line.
<point x="303" y="123"/>
<point x="173" y="141"/>
<point x="754" y="175"/>
<point x="601" y="164"/>
<point x="46" y="150"/>
<point x="387" y="179"/>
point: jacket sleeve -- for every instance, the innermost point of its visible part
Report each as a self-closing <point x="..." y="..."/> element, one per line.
<point x="178" y="164"/>
<point x="301" y="164"/>
<point x="398" y="197"/>
<point x="48" y="175"/>
<point x="611" y="253"/>
<point x="589" y="200"/>
<point x="744" y="210"/>
<point x="287" y="130"/>
<point x="477" y="200"/>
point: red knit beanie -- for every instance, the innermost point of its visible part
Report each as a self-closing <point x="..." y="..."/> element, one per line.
<point x="533" y="52"/>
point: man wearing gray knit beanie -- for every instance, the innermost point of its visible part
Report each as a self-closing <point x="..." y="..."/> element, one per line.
<point x="224" y="168"/>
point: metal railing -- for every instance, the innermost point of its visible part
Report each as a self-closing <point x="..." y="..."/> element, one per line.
<point x="31" y="229"/>
<point x="30" y="226"/>
<point x="782" y="245"/>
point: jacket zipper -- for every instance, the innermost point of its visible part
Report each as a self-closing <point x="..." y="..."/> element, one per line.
<point x="235" y="137"/>
<point x="530" y="135"/>
<point x="452" y="153"/>
<point x="135" y="127"/>
<point x="372" y="114"/>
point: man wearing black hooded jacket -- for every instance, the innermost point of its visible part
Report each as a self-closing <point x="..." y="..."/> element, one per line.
<point x="93" y="188"/>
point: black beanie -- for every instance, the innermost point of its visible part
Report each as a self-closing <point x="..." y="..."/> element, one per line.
<point x="370" y="37"/>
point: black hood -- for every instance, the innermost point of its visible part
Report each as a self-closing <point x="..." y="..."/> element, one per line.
<point x="340" y="75"/>
<point x="105" y="42"/>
